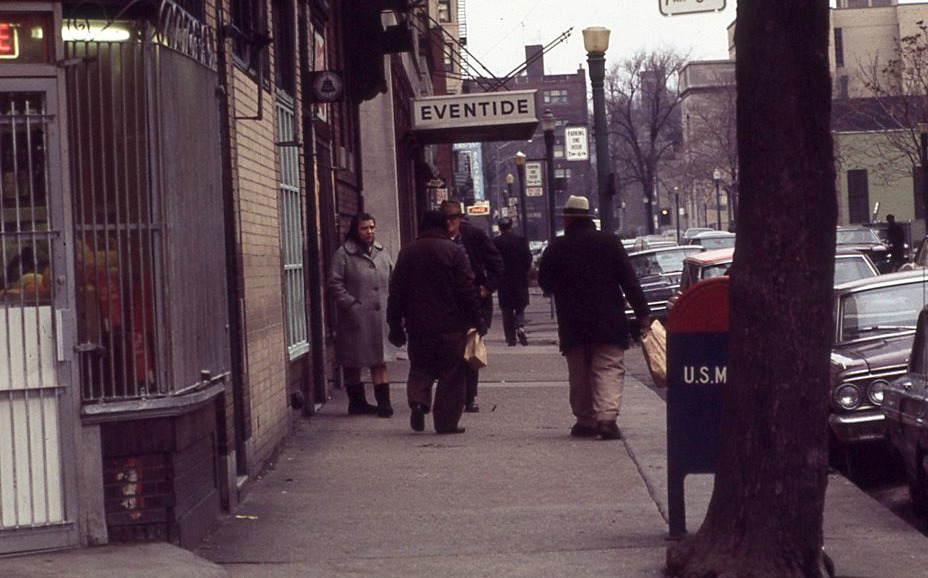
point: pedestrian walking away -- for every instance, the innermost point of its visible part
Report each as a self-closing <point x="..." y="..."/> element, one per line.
<point x="487" y="267"/>
<point x="359" y="283"/>
<point x="588" y="272"/>
<point x="513" y="288"/>
<point x="896" y="237"/>
<point x="433" y="302"/>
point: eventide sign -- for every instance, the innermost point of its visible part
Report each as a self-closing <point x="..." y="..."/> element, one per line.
<point x="24" y="38"/>
<point x="494" y="108"/>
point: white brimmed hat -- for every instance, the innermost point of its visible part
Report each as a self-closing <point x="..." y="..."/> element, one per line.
<point x="577" y="206"/>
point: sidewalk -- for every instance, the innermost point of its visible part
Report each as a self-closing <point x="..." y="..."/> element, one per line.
<point x="514" y="496"/>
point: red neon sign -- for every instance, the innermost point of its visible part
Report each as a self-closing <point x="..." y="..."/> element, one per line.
<point x="9" y="41"/>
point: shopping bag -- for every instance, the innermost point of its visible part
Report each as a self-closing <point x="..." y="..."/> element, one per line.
<point x="475" y="350"/>
<point x="654" y="345"/>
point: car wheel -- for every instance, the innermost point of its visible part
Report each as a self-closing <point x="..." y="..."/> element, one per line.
<point x="918" y="484"/>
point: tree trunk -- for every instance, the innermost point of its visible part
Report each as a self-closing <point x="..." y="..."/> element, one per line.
<point x="765" y="516"/>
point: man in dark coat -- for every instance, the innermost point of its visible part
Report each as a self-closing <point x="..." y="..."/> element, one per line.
<point x="588" y="271"/>
<point x="513" y="289"/>
<point x="433" y="300"/>
<point x="896" y="238"/>
<point x="487" y="266"/>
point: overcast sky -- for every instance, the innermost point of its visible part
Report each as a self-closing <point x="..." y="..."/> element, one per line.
<point x="498" y="30"/>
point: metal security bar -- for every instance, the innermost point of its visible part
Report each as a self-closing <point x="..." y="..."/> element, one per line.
<point x="291" y="230"/>
<point x="115" y="224"/>
<point x="31" y="486"/>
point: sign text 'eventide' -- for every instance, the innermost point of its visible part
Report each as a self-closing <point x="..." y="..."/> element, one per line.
<point x="462" y="110"/>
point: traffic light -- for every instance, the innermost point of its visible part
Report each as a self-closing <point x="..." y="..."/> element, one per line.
<point x="664" y="219"/>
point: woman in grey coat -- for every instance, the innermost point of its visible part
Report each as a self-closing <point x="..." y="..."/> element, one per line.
<point x="359" y="282"/>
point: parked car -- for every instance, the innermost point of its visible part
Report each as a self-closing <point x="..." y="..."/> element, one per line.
<point x="713" y="240"/>
<point x="849" y="266"/>
<point x="693" y="231"/>
<point x="920" y="260"/>
<point x="874" y="327"/>
<point x="658" y="271"/>
<point x="867" y="242"/>
<point x="905" y="408"/>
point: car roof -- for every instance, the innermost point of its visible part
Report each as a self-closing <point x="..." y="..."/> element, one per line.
<point x="712" y="256"/>
<point x="708" y="234"/>
<point x="685" y="248"/>
<point x="887" y="279"/>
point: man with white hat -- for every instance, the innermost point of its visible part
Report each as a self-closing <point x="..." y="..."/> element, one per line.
<point x="590" y="276"/>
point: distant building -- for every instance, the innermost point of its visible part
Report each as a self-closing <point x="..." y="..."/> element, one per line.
<point x="565" y="95"/>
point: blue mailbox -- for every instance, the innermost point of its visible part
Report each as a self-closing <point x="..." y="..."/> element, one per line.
<point x="697" y="361"/>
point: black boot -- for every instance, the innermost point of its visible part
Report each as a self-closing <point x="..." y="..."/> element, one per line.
<point x="357" y="401"/>
<point x="382" y="395"/>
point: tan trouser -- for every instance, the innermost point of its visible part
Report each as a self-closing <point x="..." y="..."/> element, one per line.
<point x="597" y="374"/>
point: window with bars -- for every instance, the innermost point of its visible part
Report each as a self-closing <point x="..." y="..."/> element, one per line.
<point x="291" y="230"/>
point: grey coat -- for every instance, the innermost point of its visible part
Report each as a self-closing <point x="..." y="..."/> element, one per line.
<point x="359" y="284"/>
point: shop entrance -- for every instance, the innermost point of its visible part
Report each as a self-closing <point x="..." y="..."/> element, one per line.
<point x="37" y="500"/>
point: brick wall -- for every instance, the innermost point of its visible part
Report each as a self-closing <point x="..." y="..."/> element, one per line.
<point x="257" y="191"/>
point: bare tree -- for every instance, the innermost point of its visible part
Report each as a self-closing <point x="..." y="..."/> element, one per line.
<point x="642" y="104"/>
<point x="896" y="102"/>
<point x="765" y="516"/>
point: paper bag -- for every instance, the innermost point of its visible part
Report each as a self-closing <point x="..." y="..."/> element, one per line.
<point x="654" y="346"/>
<point x="475" y="350"/>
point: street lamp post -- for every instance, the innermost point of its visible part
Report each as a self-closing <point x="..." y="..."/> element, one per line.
<point x="923" y="141"/>
<point x="509" y="180"/>
<point x="717" y="177"/>
<point x="548" y="124"/>
<point x="596" y="42"/>
<point x="676" y="207"/>
<point x="523" y="212"/>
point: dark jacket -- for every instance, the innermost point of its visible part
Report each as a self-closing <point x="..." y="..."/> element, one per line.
<point x="432" y="289"/>
<point x="517" y="260"/>
<point x="588" y="271"/>
<point x="485" y="260"/>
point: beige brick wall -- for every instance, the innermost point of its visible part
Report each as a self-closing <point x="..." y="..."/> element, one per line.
<point x="257" y="189"/>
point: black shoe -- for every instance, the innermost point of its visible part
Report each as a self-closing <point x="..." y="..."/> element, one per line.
<point x="583" y="431"/>
<point x="609" y="430"/>
<point x="357" y="401"/>
<point x="520" y="333"/>
<point x="417" y="418"/>
<point x="456" y="430"/>
<point x="511" y="343"/>
<point x="382" y="395"/>
<point x="471" y="407"/>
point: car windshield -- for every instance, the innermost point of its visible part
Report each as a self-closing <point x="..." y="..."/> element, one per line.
<point x="879" y="310"/>
<point x="660" y="262"/>
<point x="713" y="271"/>
<point x="857" y="237"/>
<point x="710" y="243"/>
<point x="851" y="269"/>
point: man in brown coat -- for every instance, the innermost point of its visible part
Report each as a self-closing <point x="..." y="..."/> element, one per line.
<point x="433" y="300"/>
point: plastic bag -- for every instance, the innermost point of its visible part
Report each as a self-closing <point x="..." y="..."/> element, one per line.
<point x="654" y="346"/>
<point x="475" y="350"/>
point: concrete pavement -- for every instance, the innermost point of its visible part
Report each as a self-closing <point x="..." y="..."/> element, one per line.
<point x="514" y="496"/>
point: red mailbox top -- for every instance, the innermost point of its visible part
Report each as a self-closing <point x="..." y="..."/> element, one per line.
<point x="703" y="308"/>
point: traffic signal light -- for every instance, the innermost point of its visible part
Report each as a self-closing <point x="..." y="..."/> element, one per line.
<point x="665" y="217"/>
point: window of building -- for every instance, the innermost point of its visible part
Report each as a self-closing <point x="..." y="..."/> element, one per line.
<point x="561" y="173"/>
<point x="444" y="10"/>
<point x="839" y="47"/>
<point x="858" y="3"/>
<point x="246" y="25"/>
<point x="284" y="46"/>
<point x="919" y="192"/>
<point x="558" y="151"/>
<point x="858" y="196"/>
<point x="555" y="96"/>
<point x="291" y="231"/>
<point x="449" y="57"/>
